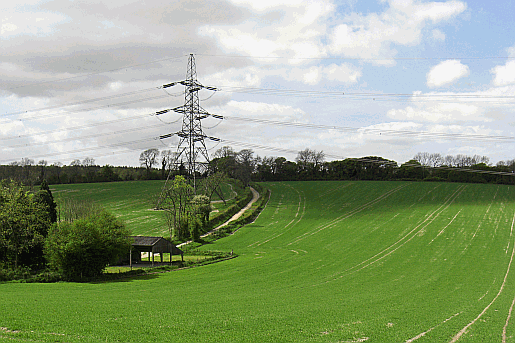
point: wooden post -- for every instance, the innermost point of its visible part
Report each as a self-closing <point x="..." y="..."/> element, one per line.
<point x="152" y="257"/>
<point x="130" y="258"/>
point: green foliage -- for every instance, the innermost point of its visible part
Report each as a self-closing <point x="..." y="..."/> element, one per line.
<point x="176" y="203"/>
<point x="222" y="217"/>
<point x="45" y="197"/>
<point x="201" y="207"/>
<point x="23" y="222"/>
<point x="195" y="224"/>
<point x="83" y="248"/>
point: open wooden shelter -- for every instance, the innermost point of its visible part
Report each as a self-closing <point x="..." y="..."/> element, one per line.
<point x="152" y="246"/>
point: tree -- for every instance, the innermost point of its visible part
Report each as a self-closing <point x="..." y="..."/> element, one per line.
<point x="56" y="166"/>
<point x="148" y="159"/>
<point x="46" y="199"/>
<point x="107" y="174"/>
<point x="224" y="160"/>
<point x="42" y="164"/>
<point x="310" y="160"/>
<point x="245" y="166"/>
<point x="88" y="162"/>
<point x="211" y="184"/>
<point x="411" y="170"/>
<point x="424" y="158"/>
<point x="176" y="200"/>
<point x="23" y="222"/>
<point x="167" y="160"/>
<point x="201" y="208"/>
<point x="85" y="247"/>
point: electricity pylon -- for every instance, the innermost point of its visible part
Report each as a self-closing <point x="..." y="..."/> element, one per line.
<point x="191" y="152"/>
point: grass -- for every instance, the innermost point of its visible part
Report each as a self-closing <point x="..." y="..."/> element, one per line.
<point x="324" y="262"/>
<point x="132" y="201"/>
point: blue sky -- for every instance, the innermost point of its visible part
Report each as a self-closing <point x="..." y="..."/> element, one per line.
<point x="447" y="66"/>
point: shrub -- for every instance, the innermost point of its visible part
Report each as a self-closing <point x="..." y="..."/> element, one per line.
<point x="83" y="249"/>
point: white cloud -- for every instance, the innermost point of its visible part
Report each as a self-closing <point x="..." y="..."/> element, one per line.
<point x="438" y="35"/>
<point x="296" y="32"/>
<point x="372" y="35"/>
<point x="446" y="73"/>
<point x="439" y="112"/>
<point x="235" y="77"/>
<point x="504" y="75"/>
<point x="263" y="110"/>
<point x="344" y="73"/>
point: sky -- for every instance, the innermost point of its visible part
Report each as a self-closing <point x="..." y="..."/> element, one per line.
<point x="387" y="78"/>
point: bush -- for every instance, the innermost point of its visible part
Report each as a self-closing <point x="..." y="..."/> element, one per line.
<point x="195" y="226"/>
<point x="83" y="249"/>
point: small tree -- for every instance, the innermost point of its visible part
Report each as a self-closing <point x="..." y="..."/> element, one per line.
<point x="45" y="197"/>
<point x="176" y="201"/>
<point x="211" y="184"/>
<point x="201" y="208"/>
<point x="148" y="159"/>
<point x="195" y="224"/>
<point x="23" y="221"/>
<point x="85" y="247"/>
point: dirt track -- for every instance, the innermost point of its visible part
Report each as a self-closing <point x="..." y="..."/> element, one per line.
<point x="255" y="197"/>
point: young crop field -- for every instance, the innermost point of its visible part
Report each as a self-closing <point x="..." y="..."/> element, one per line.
<point x="131" y="201"/>
<point x="324" y="262"/>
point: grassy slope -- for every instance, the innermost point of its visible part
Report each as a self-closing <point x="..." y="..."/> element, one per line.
<point x="131" y="201"/>
<point x="325" y="262"/>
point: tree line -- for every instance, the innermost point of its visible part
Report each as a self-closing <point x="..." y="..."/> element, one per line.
<point x="311" y="165"/>
<point x="245" y="166"/>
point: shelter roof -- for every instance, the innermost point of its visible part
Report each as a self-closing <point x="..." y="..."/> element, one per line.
<point x="146" y="240"/>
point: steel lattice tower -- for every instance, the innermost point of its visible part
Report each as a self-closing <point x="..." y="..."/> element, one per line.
<point x="191" y="150"/>
<point x="191" y="137"/>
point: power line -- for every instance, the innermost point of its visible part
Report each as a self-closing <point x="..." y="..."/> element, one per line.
<point x="115" y="145"/>
<point x="402" y="97"/>
<point x="399" y="97"/>
<point x="364" y="130"/>
<point x="82" y="102"/>
<point x="97" y="135"/>
<point x="97" y="72"/>
<point x="363" y="58"/>
<point x="392" y="164"/>
<point x="108" y="122"/>
<point x="116" y="105"/>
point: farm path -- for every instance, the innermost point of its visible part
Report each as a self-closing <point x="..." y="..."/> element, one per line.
<point x="255" y="197"/>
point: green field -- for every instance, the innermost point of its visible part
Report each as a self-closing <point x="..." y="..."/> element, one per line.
<point x="132" y="201"/>
<point x="324" y="262"/>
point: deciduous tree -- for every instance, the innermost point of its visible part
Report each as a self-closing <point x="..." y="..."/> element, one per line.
<point x="148" y="159"/>
<point x="85" y="247"/>
<point x="177" y="196"/>
<point x="23" y="222"/>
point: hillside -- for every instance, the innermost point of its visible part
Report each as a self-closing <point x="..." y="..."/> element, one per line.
<point x="131" y="201"/>
<point x="324" y="262"/>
